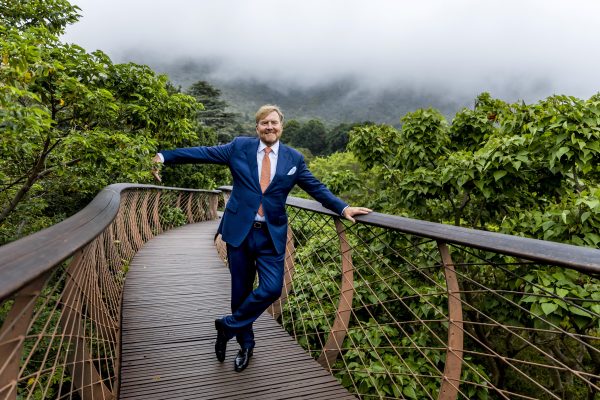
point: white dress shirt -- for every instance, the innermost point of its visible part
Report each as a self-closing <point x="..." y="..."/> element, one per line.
<point x="260" y="154"/>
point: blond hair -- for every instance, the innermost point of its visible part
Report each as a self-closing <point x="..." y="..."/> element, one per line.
<point x="267" y="109"/>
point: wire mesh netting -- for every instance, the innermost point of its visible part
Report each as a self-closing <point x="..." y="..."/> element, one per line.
<point x="410" y="317"/>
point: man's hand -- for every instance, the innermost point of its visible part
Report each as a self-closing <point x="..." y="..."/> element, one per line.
<point x="156" y="168"/>
<point x="350" y="212"/>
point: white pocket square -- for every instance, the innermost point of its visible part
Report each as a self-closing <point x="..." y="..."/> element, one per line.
<point x="292" y="171"/>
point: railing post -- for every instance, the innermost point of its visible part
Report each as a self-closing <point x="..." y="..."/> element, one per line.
<point x="156" y="214"/>
<point x="144" y="223"/>
<point x="213" y="205"/>
<point x="131" y="201"/>
<point x="454" y="353"/>
<point x="125" y="248"/>
<point x="188" y="208"/>
<point x="12" y="336"/>
<point x="99" y="299"/>
<point x="333" y="346"/>
<point x="178" y="200"/>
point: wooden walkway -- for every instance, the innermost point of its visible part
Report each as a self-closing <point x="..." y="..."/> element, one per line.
<point x="176" y="286"/>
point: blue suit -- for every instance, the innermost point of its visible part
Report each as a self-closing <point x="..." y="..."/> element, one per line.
<point x="252" y="250"/>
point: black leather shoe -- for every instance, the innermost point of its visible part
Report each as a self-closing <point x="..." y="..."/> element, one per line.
<point x="242" y="359"/>
<point x="221" y="343"/>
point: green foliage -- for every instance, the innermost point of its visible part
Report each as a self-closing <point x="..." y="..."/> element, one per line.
<point x="217" y="126"/>
<point x="310" y="135"/>
<point x="72" y="122"/>
<point x="424" y="138"/>
<point x="53" y="15"/>
<point x="343" y="175"/>
<point x="314" y="136"/>
<point x="507" y="167"/>
<point x="379" y="143"/>
<point x="172" y="217"/>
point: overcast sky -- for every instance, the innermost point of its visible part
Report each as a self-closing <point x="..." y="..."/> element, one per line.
<point x="515" y="49"/>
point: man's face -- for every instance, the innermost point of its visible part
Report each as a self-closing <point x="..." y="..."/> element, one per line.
<point x="269" y="129"/>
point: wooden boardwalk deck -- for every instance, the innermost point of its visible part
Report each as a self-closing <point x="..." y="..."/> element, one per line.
<point x="176" y="286"/>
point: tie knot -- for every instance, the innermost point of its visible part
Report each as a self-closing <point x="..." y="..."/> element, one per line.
<point x="268" y="150"/>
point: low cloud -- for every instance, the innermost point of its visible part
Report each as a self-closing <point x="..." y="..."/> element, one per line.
<point x="514" y="49"/>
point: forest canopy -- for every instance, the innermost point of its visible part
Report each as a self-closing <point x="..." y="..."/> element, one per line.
<point x="525" y="169"/>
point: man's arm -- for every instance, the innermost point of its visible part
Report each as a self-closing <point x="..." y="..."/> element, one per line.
<point x="320" y="192"/>
<point x="203" y="154"/>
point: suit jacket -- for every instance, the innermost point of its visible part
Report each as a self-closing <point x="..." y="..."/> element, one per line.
<point x="240" y="156"/>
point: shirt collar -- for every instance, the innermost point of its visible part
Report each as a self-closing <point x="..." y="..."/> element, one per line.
<point x="274" y="148"/>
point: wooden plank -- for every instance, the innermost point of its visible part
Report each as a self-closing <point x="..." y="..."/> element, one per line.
<point x="177" y="285"/>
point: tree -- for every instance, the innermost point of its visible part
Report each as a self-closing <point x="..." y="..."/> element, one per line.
<point x="337" y="137"/>
<point x="71" y="121"/>
<point x="53" y="15"/>
<point x="310" y="135"/>
<point x="215" y="126"/>
<point x="214" y="114"/>
<point x="492" y="164"/>
<point x="291" y="132"/>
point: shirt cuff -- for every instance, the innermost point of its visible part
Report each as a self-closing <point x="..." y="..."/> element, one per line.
<point x="162" y="158"/>
<point x="342" y="213"/>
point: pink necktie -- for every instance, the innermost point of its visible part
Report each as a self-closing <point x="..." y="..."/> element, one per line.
<point x="265" y="176"/>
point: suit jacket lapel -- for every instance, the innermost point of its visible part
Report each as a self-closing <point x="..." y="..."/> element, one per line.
<point x="251" y="150"/>
<point x="283" y="162"/>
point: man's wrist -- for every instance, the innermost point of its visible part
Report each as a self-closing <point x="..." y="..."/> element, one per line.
<point x="344" y="209"/>
<point x="162" y="158"/>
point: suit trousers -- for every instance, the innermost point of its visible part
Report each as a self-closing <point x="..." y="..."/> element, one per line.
<point x="256" y="254"/>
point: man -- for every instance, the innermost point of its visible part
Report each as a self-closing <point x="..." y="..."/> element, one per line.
<point x="254" y="223"/>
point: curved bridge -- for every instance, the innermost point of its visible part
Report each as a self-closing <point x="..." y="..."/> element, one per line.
<point x="176" y="286"/>
<point x="108" y="304"/>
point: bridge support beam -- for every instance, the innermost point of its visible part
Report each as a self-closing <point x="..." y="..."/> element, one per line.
<point x="12" y="335"/>
<point x="333" y="346"/>
<point x="454" y="353"/>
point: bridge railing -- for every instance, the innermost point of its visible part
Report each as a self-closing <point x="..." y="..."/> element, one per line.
<point x="400" y="308"/>
<point x="61" y="290"/>
<point x="395" y="308"/>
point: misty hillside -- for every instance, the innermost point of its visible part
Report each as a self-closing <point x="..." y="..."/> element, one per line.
<point x="342" y="101"/>
<point x="337" y="102"/>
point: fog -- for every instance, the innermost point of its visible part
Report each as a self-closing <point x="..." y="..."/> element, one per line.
<point x="513" y="49"/>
